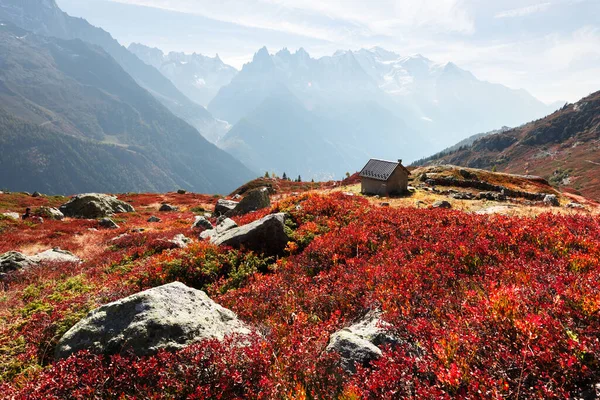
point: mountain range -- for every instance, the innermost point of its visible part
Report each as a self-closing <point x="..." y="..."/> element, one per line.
<point x="103" y="118"/>
<point x="356" y="105"/>
<point x="283" y="112"/>
<point x="563" y="148"/>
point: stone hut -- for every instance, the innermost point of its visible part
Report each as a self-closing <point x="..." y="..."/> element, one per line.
<point x="384" y="178"/>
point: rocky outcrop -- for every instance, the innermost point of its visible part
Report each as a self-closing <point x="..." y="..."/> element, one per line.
<point x="94" y="205"/>
<point x="575" y="205"/>
<point x="154" y="219"/>
<point x="359" y="344"/>
<point x="266" y="236"/>
<point x="255" y="199"/>
<point x="224" y="206"/>
<point x="167" y="317"/>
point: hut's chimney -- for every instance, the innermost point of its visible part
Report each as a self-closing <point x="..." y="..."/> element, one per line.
<point x="400" y="160"/>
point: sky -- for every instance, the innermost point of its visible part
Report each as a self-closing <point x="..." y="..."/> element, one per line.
<point x="551" y="48"/>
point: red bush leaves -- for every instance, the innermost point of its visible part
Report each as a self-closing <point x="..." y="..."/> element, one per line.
<point x="485" y="306"/>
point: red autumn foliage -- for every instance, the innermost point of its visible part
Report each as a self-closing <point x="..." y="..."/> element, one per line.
<point x="484" y="307"/>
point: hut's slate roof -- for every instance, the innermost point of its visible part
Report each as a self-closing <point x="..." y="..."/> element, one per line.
<point x="380" y="169"/>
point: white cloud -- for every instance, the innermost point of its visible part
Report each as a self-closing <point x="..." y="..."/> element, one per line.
<point x="333" y="20"/>
<point x="523" y="11"/>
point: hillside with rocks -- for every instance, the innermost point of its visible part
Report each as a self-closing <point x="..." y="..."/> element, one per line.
<point x="564" y="148"/>
<point x="301" y="289"/>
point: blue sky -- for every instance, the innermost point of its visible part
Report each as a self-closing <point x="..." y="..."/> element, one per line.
<point x="549" y="47"/>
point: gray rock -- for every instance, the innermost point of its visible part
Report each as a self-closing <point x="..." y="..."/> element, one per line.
<point x="442" y="204"/>
<point x="462" y="196"/>
<point x="181" y="191"/>
<point x="224" y="206"/>
<point x="167" y="208"/>
<point x="167" y="317"/>
<point x="154" y="219"/>
<point x="358" y="344"/>
<point x="108" y="223"/>
<point x="181" y="241"/>
<point x="94" y="205"/>
<point x="12" y="261"/>
<point x="36" y="194"/>
<point x="255" y="199"/>
<point x="12" y="215"/>
<point x="55" y="255"/>
<point x="50" y="213"/>
<point x="208" y="234"/>
<point x="266" y="235"/>
<point x="225" y="225"/>
<point x="202" y="223"/>
<point x="576" y="205"/>
<point x="551" y="200"/>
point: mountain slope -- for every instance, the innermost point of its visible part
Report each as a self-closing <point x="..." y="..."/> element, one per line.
<point x="563" y="147"/>
<point x="76" y="89"/>
<point x="44" y="17"/>
<point x="34" y="157"/>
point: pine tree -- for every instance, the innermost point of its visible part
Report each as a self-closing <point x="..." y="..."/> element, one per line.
<point x="299" y="179"/>
<point x="267" y="174"/>
<point x="284" y="177"/>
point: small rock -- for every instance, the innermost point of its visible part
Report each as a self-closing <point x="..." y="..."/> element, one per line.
<point x="384" y="204"/>
<point x="108" y="223"/>
<point x="462" y="196"/>
<point x="181" y="241"/>
<point x="154" y="219"/>
<point x="12" y="215"/>
<point x="181" y="191"/>
<point x="50" y="213"/>
<point x="576" y="205"/>
<point x="202" y="223"/>
<point x="167" y="317"/>
<point x="138" y="230"/>
<point x="237" y="197"/>
<point x="167" y="208"/>
<point x="442" y="204"/>
<point x="551" y="200"/>
<point x="55" y="255"/>
<point x="224" y="206"/>
<point x="36" y="194"/>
